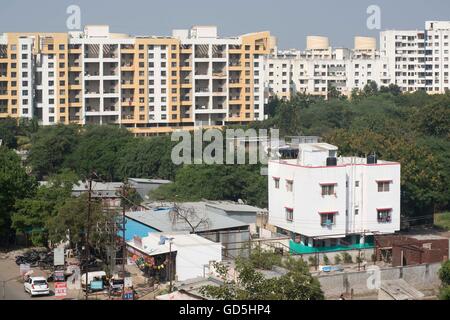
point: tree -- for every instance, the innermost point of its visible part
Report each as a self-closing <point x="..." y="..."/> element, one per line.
<point x="34" y="213"/>
<point x="188" y="216"/>
<point x="15" y="184"/>
<point x="147" y="158"/>
<point x="71" y="222"/>
<point x="97" y="151"/>
<point x="49" y="148"/>
<point x="370" y="89"/>
<point x="8" y="130"/>
<point x="296" y="284"/>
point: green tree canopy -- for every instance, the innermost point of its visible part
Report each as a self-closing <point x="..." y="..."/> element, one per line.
<point x="15" y="184"/>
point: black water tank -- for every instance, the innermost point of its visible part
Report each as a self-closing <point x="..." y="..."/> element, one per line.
<point x="331" y="161"/>
<point x="372" y="159"/>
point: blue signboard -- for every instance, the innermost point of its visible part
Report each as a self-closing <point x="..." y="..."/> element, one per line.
<point x="96" y="285"/>
<point x="128" y="295"/>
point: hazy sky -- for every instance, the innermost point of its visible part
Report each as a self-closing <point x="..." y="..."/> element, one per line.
<point x="289" y="20"/>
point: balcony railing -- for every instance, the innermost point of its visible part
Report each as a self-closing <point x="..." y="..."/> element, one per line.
<point x="201" y="89"/>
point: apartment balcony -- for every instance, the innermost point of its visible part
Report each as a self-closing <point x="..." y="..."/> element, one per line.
<point x="75" y="48"/>
<point x="110" y="90"/>
<point x="185" y="66"/>
<point x="202" y="91"/>
<point x="235" y="98"/>
<point x="234" y="48"/>
<point x="219" y="74"/>
<point x="127" y="48"/>
<point x="201" y="51"/>
<point x="92" y="51"/>
<point x="92" y="109"/>
<point x="127" y="101"/>
<point x="234" y="83"/>
<point x="186" y="83"/>
<point x="91" y="73"/>
<point x="127" y="117"/>
<point x="220" y="91"/>
<point x="92" y="91"/>
<point x="110" y="51"/>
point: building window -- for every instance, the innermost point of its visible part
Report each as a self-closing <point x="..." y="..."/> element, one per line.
<point x="277" y="182"/>
<point x="328" y="189"/>
<point x="357" y="184"/>
<point x="327" y="218"/>
<point x="289" y="214"/>
<point x="383" y="186"/>
<point x="384" y="215"/>
<point x="289" y="184"/>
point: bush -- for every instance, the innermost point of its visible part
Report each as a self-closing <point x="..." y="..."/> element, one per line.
<point x="359" y="259"/>
<point x="337" y="259"/>
<point x="325" y="259"/>
<point x="444" y="293"/>
<point x="312" y="261"/>
<point x="444" y="273"/>
<point x="347" y="257"/>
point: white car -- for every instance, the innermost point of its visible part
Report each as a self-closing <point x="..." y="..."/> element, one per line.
<point x="36" y="286"/>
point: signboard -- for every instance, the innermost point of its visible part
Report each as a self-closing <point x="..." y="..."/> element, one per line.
<point x="128" y="282"/>
<point x="60" y="289"/>
<point x="58" y="257"/>
<point x="59" y="275"/>
<point x="96" y="285"/>
<point x="24" y="268"/>
<point x="128" y="295"/>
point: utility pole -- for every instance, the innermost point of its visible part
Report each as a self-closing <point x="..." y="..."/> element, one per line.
<point x="170" y="266"/>
<point x="87" y="236"/>
<point x="124" y="243"/>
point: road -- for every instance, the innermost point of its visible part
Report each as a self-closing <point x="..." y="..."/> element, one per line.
<point x="13" y="289"/>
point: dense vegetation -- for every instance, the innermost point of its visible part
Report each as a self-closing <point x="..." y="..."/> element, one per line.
<point x="251" y="284"/>
<point x="444" y="276"/>
<point x="413" y="129"/>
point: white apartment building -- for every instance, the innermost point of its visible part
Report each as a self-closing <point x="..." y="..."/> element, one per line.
<point x="419" y="59"/>
<point x="321" y="200"/>
<point x="320" y="67"/>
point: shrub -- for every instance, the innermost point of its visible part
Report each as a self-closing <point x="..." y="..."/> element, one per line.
<point x="337" y="259"/>
<point x="312" y="261"/>
<point x="444" y="293"/>
<point x="325" y="259"/>
<point x="444" y="273"/>
<point x="347" y="257"/>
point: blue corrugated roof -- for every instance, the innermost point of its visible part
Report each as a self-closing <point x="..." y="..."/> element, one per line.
<point x="134" y="228"/>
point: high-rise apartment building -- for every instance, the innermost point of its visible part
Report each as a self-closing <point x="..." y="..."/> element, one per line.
<point x="411" y="59"/>
<point x="320" y="67"/>
<point x="146" y="83"/>
<point x="419" y="59"/>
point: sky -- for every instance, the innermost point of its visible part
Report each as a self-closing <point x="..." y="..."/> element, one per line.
<point x="289" y="20"/>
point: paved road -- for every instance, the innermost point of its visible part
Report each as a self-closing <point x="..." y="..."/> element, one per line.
<point x="13" y="288"/>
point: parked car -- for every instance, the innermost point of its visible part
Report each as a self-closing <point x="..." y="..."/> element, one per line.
<point x="36" y="286"/>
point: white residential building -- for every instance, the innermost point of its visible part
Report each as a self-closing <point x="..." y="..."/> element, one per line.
<point x="419" y="59"/>
<point x="320" y="67"/>
<point x="322" y="200"/>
